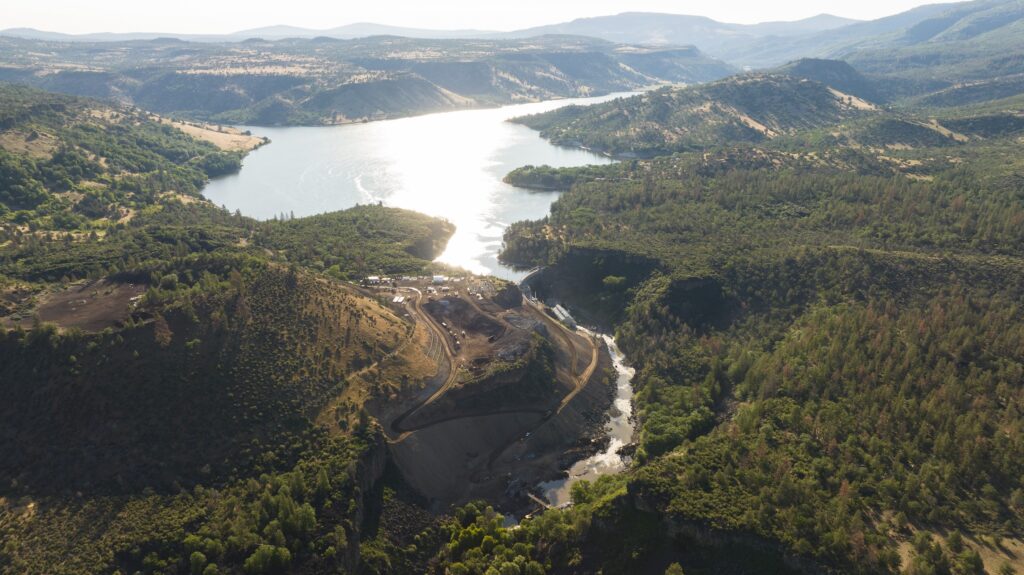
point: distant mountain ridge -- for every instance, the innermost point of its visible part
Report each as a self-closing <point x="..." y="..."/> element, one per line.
<point x="333" y="81"/>
<point x="359" y="30"/>
<point x="628" y="27"/>
<point x="282" y="32"/>
<point x="967" y="51"/>
<point x="760" y="46"/>
<point x="658" y="28"/>
<point x="928" y="25"/>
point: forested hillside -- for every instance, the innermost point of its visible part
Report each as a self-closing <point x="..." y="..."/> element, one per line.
<point x="164" y="362"/>
<point x="75" y="164"/>
<point x="357" y="241"/>
<point x="826" y="343"/>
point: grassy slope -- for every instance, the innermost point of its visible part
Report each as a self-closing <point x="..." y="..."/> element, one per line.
<point x="75" y="164"/>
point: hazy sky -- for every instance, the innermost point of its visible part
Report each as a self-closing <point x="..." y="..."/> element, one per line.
<point x="223" y="16"/>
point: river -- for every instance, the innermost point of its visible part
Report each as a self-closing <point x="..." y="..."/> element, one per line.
<point x="448" y="165"/>
<point x="620" y="433"/>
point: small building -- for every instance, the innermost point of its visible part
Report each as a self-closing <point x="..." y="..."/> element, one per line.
<point x="373" y="280"/>
<point x="438" y="280"/>
<point x="563" y="316"/>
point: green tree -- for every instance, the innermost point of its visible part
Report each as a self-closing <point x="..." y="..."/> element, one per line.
<point x="197" y="562"/>
<point x="268" y="560"/>
<point x="674" y="569"/>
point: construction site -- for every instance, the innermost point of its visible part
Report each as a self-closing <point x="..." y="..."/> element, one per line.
<point x="518" y="395"/>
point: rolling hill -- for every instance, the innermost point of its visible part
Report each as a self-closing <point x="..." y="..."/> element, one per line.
<point x="938" y="43"/>
<point x="749" y="108"/>
<point x="72" y="163"/>
<point x="976" y="45"/>
<point x="328" y="81"/>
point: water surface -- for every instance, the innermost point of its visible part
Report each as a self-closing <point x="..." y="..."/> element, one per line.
<point x="448" y="165"/>
<point x="620" y="433"/>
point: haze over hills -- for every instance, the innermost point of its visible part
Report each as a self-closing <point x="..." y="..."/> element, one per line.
<point x="759" y="45"/>
<point x="930" y="25"/>
<point x="359" y="30"/>
<point x="280" y="32"/>
<point x="705" y="33"/>
<point x="627" y="28"/>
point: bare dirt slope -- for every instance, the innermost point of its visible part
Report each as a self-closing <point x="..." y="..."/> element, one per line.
<point x="504" y="409"/>
<point x="89" y="306"/>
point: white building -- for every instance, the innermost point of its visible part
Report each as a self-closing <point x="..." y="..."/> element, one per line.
<point x="563" y="316"/>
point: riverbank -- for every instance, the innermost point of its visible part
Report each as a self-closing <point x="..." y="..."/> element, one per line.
<point x="617" y="435"/>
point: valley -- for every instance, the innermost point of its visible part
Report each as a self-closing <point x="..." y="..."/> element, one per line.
<point x="516" y="303"/>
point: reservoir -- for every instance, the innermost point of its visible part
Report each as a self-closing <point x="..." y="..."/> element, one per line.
<point x="448" y="165"/>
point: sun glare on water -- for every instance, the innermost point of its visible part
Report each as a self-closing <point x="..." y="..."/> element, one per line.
<point x="441" y="168"/>
<point x="449" y="165"/>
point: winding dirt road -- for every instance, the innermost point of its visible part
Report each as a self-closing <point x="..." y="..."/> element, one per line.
<point x="448" y="358"/>
<point x="579" y="380"/>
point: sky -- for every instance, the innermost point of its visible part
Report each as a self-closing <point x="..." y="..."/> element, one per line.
<point x="226" y="16"/>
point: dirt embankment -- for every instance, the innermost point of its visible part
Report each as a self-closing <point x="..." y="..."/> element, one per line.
<point x="500" y="457"/>
<point x="526" y="397"/>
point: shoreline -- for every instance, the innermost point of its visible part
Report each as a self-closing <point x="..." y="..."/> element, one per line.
<point x="601" y="445"/>
<point x="468" y="108"/>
